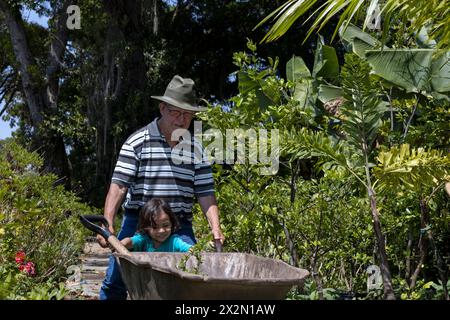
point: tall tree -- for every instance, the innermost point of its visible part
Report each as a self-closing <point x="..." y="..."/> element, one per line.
<point x="115" y="91"/>
<point x="40" y="86"/>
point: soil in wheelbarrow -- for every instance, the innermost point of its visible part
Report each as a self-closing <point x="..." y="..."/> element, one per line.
<point x="217" y="276"/>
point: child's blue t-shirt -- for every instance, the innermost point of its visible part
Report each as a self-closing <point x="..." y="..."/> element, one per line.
<point x="143" y="243"/>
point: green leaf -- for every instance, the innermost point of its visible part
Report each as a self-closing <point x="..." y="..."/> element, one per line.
<point x="286" y="15"/>
<point x="440" y="72"/>
<point x="303" y="90"/>
<point x="296" y="69"/>
<point x="245" y="83"/>
<point x="354" y="34"/>
<point x="328" y="92"/>
<point x="325" y="61"/>
<point x="408" y="68"/>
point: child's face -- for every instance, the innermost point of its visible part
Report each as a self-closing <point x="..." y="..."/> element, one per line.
<point x="162" y="228"/>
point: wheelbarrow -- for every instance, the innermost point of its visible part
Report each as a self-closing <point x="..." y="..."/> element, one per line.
<point x="217" y="276"/>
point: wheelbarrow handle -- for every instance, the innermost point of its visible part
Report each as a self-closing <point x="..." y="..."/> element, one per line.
<point x="89" y="222"/>
<point x="218" y="245"/>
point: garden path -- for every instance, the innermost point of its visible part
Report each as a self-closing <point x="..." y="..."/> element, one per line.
<point x="86" y="278"/>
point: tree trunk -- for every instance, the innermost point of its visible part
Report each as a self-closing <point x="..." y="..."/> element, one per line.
<point x="293" y="255"/>
<point x="384" y="264"/>
<point x="115" y="85"/>
<point x="40" y="100"/>
<point x="315" y="274"/>
<point x="55" y="56"/>
<point x="422" y="254"/>
<point x="155" y="16"/>
<point x="408" y="257"/>
<point x="33" y="95"/>
<point x="314" y="269"/>
<point x="294" y="168"/>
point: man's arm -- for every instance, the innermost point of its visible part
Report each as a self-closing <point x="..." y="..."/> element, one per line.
<point x="114" y="199"/>
<point x="208" y="204"/>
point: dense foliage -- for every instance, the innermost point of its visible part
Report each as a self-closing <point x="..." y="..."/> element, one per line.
<point x="97" y="92"/>
<point x="40" y="236"/>
<point x="363" y="133"/>
<point x="318" y="216"/>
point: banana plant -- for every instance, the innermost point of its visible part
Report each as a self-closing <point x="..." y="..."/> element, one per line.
<point x="421" y="70"/>
<point x="306" y="83"/>
<point x="255" y="77"/>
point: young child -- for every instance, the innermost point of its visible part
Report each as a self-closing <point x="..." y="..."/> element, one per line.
<point x="155" y="229"/>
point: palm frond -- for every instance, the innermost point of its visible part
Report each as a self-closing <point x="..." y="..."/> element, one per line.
<point x="420" y="13"/>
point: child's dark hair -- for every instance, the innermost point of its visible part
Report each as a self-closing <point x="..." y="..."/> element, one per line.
<point x="152" y="208"/>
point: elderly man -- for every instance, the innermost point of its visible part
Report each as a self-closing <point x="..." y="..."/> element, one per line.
<point x="145" y="169"/>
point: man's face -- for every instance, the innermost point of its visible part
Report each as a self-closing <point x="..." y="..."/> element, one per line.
<point x="173" y="118"/>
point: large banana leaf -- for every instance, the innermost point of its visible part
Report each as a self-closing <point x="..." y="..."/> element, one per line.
<point x="298" y="72"/>
<point x="415" y="70"/>
<point x="328" y="92"/>
<point x="304" y="90"/>
<point x="325" y="61"/>
<point x="407" y="68"/>
<point x="265" y="94"/>
<point x="325" y="66"/>
<point x="304" y="93"/>
<point x="296" y="69"/>
<point x="245" y="83"/>
<point x="440" y="73"/>
<point x="359" y="40"/>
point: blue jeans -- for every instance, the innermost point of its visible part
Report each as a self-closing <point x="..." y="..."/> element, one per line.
<point x="113" y="287"/>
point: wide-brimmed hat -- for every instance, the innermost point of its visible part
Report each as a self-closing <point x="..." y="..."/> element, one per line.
<point x="180" y="93"/>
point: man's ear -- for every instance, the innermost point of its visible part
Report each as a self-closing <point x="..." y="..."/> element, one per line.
<point x="162" y="106"/>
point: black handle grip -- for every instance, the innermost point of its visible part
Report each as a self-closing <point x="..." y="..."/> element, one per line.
<point x="89" y="222"/>
<point x="218" y="245"/>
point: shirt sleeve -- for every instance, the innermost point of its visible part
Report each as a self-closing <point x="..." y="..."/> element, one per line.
<point x="180" y="246"/>
<point x="138" y="242"/>
<point x="127" y="165"/>
<point x="203" y="178"/>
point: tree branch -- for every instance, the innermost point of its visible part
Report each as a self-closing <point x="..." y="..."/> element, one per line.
<point x="11" y="97"/>
<point x="410" y="119"/>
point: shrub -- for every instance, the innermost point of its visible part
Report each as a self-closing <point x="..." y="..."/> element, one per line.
<point x="39" y="235"/>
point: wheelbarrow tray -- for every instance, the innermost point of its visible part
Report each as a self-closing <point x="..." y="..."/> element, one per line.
<point x="240" y="276"/>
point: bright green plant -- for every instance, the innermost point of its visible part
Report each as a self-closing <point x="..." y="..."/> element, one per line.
<point x="320" y="223"/>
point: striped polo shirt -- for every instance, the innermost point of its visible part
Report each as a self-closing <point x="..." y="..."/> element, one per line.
<point x="149" y="169"/>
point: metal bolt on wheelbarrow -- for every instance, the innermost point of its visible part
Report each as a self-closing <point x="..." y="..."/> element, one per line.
<point x="220" y="276"/>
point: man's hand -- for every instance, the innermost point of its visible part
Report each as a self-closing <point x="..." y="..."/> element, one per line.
<point x="101" y="241"/>
<point x="218" y="235"/>
<point x="114" y="199"/>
